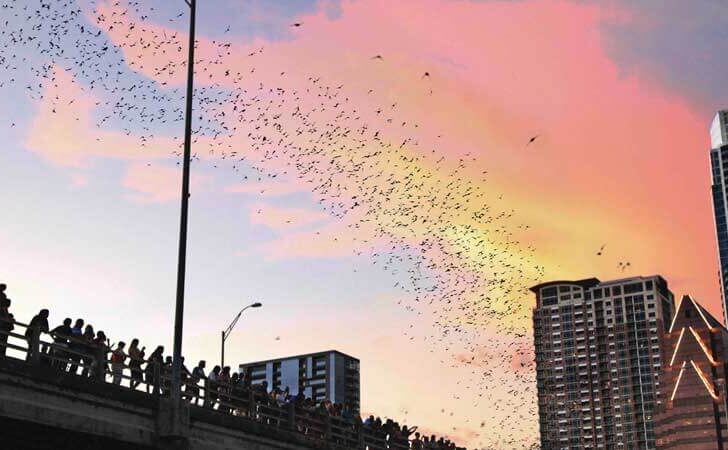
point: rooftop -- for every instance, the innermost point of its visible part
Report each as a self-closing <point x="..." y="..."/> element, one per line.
<point x="325" y="352"/>
<point x="719" y="129"/>
<point x="588" y="283"/>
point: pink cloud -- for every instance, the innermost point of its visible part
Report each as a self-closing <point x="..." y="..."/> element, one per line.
<point x="284" y="218"/>
<point x="63" y="131"/>
<point x="158" y="184"/>
<point x="615" y="161"/>
<point x="268" y="188"/>
<point x="79" y="180"/>
<point x="605" y="138"/>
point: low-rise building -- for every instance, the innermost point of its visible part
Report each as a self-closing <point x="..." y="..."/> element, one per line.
<point x="329" y="375"/>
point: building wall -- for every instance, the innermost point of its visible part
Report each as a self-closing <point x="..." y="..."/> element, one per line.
<point x="693" y="415"/>
<point x="327" y="375"/>
<point x="719" y="175"/>
<point x="599" y="349"/>
<point x="45" y="409"/>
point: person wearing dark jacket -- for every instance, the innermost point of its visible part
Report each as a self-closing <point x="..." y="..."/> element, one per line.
<point x="37" y="325"/>
<point x="6" y="320"/>
<point x="60" y="335"/>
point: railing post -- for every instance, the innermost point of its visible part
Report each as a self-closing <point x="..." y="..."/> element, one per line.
<point x="327" y="429"/>
<point x="34" y="345"/>
<point x="206" y="390"/>
<point x="360" y="435"/>
<point x="157" y="378"/>
<point x="100" y="369"/>
<point x="251" y="403"/>
<point x="292" y="416"/>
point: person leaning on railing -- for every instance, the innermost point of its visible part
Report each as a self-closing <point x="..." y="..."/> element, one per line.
<point x="166" y="375"/>
<point x="406" y="432"/>
<point x="60" y="335"/>
<point x="6" y="320"/>
<point x="212" y="386"/>
<point x="185" y="379"/>
<point x="237" y="394"/>
<point x="38" y="324"/>
<point x="198" y="374"/>
<point x="223" y="389"/>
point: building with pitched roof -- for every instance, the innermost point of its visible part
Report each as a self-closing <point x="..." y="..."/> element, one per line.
<point x="692" y="416"/>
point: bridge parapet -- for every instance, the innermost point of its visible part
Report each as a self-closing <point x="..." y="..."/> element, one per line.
<point x="41" y="390"/>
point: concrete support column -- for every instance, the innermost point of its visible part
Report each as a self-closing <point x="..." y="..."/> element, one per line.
<point x="173" y="434"/>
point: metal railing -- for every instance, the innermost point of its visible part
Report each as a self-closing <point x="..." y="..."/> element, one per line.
<point x="81" y="358"/>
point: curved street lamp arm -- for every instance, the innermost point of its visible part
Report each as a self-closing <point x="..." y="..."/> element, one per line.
<point x="234" y="322"/>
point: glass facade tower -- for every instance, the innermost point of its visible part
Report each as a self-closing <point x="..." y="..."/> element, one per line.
<point x="719" y="176"/>
<point x="693" y="412"/>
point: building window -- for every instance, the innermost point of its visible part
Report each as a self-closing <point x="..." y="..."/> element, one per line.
<point x="549" y="291"/>
<point x="632" y="288"/>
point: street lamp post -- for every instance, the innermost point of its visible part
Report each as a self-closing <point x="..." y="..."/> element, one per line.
<point x="229" y="329"/>
<point x="176" y="385"/>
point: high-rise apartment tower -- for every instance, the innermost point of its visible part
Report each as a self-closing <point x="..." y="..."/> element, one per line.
<point x="719" y="176"/>
<point x="599" y="349"/>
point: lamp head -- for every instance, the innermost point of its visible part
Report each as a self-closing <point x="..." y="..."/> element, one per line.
<point x="256" y="305"/>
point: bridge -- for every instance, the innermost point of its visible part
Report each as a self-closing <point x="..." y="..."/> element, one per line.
<point x="44" y="404"/>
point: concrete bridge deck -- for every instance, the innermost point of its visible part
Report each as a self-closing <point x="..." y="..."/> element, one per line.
<point x="42" y="408"/>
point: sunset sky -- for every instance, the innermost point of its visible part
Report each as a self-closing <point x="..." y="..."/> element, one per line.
<point x="619" y="93"/>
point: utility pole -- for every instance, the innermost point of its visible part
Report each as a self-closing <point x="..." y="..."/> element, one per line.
<point x="176" y="385"/>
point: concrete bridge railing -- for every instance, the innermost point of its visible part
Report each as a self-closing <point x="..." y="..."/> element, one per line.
<point x="66" y="388"/>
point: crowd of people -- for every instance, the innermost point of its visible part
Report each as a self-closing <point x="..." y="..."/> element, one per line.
<point x="80" y="350"/>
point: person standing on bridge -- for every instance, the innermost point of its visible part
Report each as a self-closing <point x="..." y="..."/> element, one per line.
<point x="60" y="335"/>
<point x="37" y="325"/>
<point x="99" y="348"/>
<point x="198" y="374"/>
<point x="75" y="346"/>
<point x="136" y="359"/>
<point x="6" y="320"/>
<point x="87" y="349"/>
<point x="153" y="369"/>
<point x="117" y="363"/>
<point x="213" y="385"/>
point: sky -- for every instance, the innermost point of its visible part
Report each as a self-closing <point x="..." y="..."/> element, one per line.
<point x="620" y="95"/>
